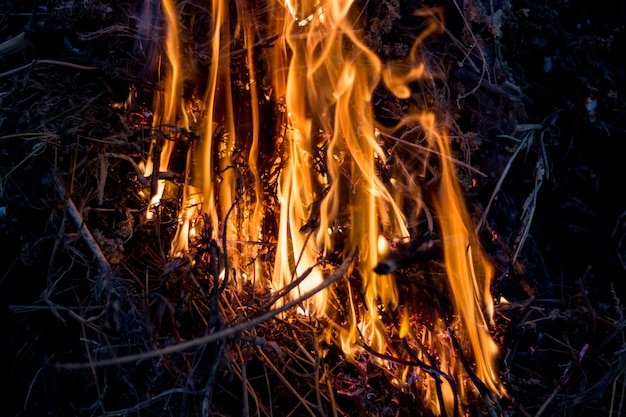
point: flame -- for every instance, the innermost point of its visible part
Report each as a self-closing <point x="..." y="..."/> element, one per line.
<point x="223" y="186"/>
<point x="469" y="273"/>
<point x="214" y="185"/>
<point x="329" y="190"/>
<point x="168" y="104"/>
<point x="218" y="146"/>
<point x="330" y="81"/>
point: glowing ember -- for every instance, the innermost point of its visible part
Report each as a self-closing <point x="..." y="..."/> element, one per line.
<point x="329" y="192"/>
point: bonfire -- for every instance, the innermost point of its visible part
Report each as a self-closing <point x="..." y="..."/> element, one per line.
<point x="316" y="208"/>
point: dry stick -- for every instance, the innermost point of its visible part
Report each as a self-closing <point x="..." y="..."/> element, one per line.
<point x="248" y="389"/>
<point x="303" y="401"/>
<point x="49" y="62"/>
<point x="244" y="377"/>
<point x="31" y="386"/>
<point x="418" y="363"/>
<point x="528" y="214"/>
<point x="145" y="181"/>
<point x="57" y="242"/>
<point x="547" y="402"/>
<point x="480" y="385"/>
<point x="208" y="389"/>
<point x="318" y="393"/>
<point x="316" y="366"/>
<point x="595" y="392"/>
<point x="333" y="403"/>
<point x="94" y="372"/>
<point x="153" y="399"/>
<point x="496" y="190"/>
<point x="226" y="333"/>
<point x="270" y="405"/>
<point x="252" y="393"/>
<point x="563" y="381"/>
<point x="104" y="268"/>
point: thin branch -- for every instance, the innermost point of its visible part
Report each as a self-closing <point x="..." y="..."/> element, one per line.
<point x="49" y="62"/>
<point x="498" y="186"/>
<point x="226" y="333"/>
<point x="417" y="363"/>
<point x="145" y="181"/>
<point x="306" y="404"/>
<point x="424" y="148"/>
<point x="104" y="268"/>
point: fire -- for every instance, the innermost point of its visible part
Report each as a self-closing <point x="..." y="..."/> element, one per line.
<point x="169" y="105"/>
<point x="329" y="193"/>
<point x="468" y="271"/>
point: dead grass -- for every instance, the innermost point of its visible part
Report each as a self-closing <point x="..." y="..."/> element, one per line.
<point x="99" y="321"/>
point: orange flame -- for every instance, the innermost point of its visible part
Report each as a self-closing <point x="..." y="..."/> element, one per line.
<point x="469" y="274"/>
<point x="168" y="104"/>
<point x="329" y="190"/>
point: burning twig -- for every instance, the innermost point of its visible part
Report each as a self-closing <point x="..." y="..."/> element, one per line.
<point x="145" y="181"/>
<point x="232" y="331"/>
<point x="313" y="223"/>
<point x="434" y="372"/>
<point x="420" y="249"/>
<point x="480" y="385"/>
<point x="293" y="284"/>
<point x="156" y="158"/>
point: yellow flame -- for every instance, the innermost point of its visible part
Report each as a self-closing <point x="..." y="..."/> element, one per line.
<point x="328" y="93"/>
<point x="329" y="90"/>
<point x="213" y="185"/>
<point x="168" y="104"/>
<point x="469" y="273"/>
<point x="252" y="220"/>
<point x="298" y="189"/>
<point x="324" y="75"/>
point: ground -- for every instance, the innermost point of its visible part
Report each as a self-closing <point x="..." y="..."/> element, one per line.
<point x="532" y="94"/>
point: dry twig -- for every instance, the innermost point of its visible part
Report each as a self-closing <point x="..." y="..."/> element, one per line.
<point x="226" y="333"/>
